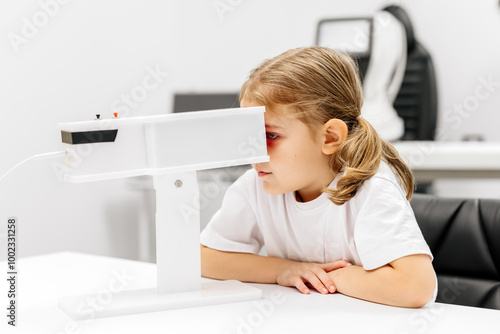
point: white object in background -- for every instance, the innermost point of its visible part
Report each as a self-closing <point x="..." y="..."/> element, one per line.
<point x="431" y="160"/>
<point x="384" y="76"/>
<point x="172" y="148"/>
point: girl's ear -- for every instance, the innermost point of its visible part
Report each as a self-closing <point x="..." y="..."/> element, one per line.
<point x="335" y="134"/>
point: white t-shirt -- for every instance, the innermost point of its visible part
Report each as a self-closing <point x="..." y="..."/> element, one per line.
<point x="374" y="228"/>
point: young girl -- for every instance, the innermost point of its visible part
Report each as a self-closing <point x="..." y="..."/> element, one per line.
<point x="331" y="206"/>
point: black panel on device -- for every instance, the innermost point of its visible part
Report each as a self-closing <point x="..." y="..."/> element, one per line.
<point x="86" y="137"/>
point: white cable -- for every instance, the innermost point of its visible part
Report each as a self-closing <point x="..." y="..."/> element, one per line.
<point x="34" y="157"/>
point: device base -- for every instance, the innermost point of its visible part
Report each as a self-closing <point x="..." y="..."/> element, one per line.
<point x="85" y="307"/>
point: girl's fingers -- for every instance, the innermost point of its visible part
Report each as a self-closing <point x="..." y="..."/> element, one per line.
<point x="316" y="282"/>
<point x="314" y="274"/>
<point x="326" y="280"/>
<point x="335" y="265"/>
<point x="300" y="285"/>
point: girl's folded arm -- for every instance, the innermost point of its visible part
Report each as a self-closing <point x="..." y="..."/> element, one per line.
<point x="247" y="267"/>
<point x="406" y="282"/>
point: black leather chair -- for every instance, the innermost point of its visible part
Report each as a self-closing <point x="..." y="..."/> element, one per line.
<point x="464" y="237"/>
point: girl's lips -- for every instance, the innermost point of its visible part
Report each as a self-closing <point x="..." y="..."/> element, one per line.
<point x="263" y="174"/>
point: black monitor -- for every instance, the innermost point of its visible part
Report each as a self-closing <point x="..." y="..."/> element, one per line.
<point x="348" y="35"/>
<point x="206" y="101"/>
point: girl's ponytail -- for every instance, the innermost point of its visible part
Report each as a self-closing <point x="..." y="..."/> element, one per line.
<point x="359" y="159"/>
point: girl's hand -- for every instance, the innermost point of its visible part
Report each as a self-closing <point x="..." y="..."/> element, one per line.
<point x="299" y="273"/>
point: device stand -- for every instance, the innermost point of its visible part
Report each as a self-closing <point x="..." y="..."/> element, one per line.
<point x="177" y="232"/>
<point x="178" y="260"/>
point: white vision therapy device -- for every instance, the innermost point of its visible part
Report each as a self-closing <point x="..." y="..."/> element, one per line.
<point x="171" y="148"/>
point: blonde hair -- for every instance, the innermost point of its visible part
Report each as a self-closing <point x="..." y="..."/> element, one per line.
<point x="321" y="84"/>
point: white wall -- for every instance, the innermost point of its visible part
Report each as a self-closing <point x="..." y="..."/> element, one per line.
<point x="77" y="63"/>
<point x="462" y="37"/>
<point x="88" y="53"/>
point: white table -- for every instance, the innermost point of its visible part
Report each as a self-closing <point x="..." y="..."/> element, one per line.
<point x="43" y="279"/>
<point x="431" y="160"/>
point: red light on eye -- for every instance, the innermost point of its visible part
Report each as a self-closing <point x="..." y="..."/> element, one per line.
<point x="270" y="138"/>
<point x="270" y="142"/>
<point x="115" y="114"/>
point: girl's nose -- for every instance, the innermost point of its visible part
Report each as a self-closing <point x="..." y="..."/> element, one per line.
<point x="257" y="166"/>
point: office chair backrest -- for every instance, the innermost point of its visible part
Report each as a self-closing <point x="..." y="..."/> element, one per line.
<point x="464" y="237"/>
<point x="416" y="102"/>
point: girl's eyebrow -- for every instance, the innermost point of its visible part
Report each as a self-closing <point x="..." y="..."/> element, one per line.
<point x="273" y="126"/>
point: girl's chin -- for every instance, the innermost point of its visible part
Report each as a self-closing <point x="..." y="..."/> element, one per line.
<point x="270" y="190"/>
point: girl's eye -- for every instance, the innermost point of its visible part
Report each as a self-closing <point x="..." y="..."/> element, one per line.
<point x="271" y="136"/>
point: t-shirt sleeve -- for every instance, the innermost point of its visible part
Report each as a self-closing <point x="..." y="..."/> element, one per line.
<point x="385" y="226"/>
<point x="234" y="227"/>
